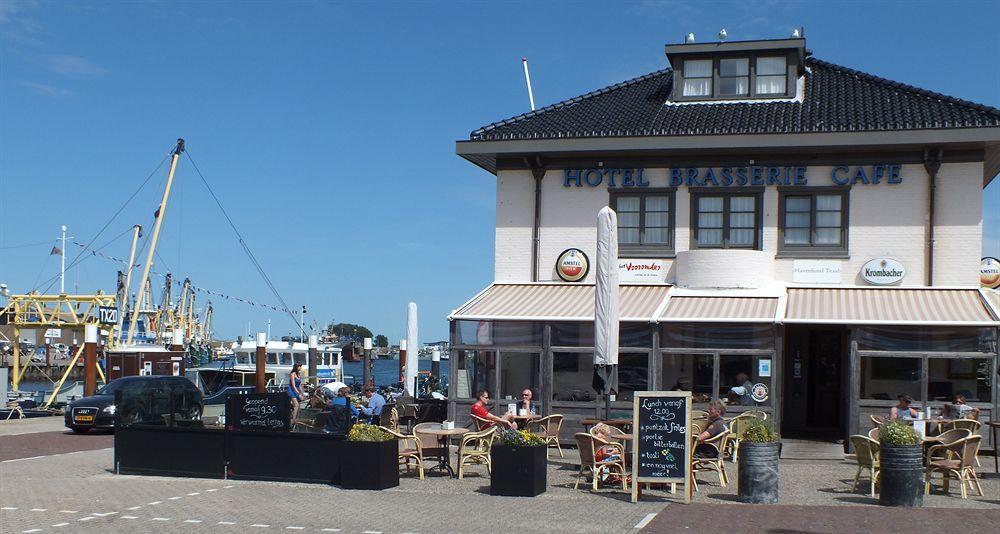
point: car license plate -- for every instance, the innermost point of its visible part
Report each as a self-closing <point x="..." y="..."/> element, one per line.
<point x="85" y="418"/>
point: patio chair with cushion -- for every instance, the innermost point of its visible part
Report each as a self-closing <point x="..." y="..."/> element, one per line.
<point x="588" y="446"/>
<point x="961" y="464"/>
<point x="866" y="449"/>
<point x="713" y="461"/>
<point x="548" y="428"/>
<point x="410" y="449"/>
<point x="474" y="449"/>
<point x="430" y="446"/>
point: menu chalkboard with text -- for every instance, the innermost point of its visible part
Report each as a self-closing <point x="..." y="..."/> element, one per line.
<point x="661" y="439"/>
<point x="258" y="412"/>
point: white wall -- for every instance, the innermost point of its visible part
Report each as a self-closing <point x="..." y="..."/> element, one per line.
<point x="886" y="220"/>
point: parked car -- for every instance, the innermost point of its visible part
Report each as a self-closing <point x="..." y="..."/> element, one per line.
<point x="144" y="399"/>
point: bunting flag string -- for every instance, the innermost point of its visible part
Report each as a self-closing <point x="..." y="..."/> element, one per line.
<point x="179" y="284"/>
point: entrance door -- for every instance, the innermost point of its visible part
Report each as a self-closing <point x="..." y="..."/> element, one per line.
<point x="825" y="395"/>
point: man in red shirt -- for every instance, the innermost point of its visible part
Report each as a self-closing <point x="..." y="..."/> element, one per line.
<point x="479" y="410"/>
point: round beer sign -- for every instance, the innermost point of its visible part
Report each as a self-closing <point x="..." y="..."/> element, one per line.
<point x="759" y="392"/>
<point x="989" y="273"/>
<point x="572" y="265"/>
<point x="883" y="272"/>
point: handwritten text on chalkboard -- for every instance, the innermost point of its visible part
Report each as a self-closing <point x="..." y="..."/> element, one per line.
<point x="662" y="437"/>
<point x="255" y="412"/>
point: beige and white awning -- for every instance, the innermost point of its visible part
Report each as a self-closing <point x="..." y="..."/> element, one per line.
<point x="556" y="302"/>
<point x="888" y="306"/>
<point x="720" y="310"/>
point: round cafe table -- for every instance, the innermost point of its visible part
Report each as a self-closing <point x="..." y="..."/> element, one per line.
<point x="523" y="420"/>
<point x="444" y="451"/>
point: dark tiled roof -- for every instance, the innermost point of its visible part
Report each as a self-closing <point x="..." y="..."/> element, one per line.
<point x="837" y="99"/>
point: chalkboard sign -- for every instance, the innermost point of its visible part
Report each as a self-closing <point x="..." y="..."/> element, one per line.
<point x="258" y="412"/>
<point x="662" y="441"/>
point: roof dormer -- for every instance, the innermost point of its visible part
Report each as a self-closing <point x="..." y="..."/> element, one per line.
<point x="736" y="71"/>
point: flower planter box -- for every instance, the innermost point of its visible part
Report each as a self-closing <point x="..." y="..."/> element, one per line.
<point x="370" y="465"/>
<point x="518" y="471"/>
<point x="901" y="476"/>
<point x="758" y="480"/>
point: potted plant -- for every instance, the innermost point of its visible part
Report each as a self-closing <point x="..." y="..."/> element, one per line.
<point x="900" y="466"/>
<point x="518" y="464"/>
<point x="758" y="480"/>
<point x="370" y="459"/>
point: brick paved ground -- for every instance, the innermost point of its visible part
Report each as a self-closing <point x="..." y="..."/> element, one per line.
<point x="79" y="493"/>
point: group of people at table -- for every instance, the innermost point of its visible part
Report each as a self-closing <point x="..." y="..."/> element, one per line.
<point x="958" y="409"/>
<point x="371" y="412"/>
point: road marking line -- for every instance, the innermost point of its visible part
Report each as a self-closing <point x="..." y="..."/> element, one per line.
<point x="130" y="517"/>
<point x="67" y="511"/>
<point x="372" y="532"/>
<point x="135" y="507"/>
<point x="88" y="518"/>
<point x="160" y="519"/>
<point x="8" y="508"/>
<point x="645" y="521"/>
<point x="211" y="490"/>
<point x="173" y="498"/>
<point x="32" y="530"/>
<point x="155" y="502"/>
<point x="226" y="523"/>
<point x="226" y="487"/>
<point x="331" y="530"/>
<point x="258" y="525"/>
<point x="19" y="459"/>
<point x="39" y="510"/>
<point x="192" y="520"/>
<point x="193" y="494"/>
<point x="60" y="524"/>
<point x="105" y="514"/>
<point x="295" y="528"/>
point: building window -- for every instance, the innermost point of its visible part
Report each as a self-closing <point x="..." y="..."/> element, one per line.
<point x="698" y="77"/>
<point x="722" y="220"/>
<point x="771" y="76"/>
<point x="734" y="77"/>
<point x="645" y="222"/>
<point x="518" y="371"/>
<point x="886" y="378"/>
<point x="572" y="376"/>
<point x="812" y="221"/>
<point x="475" y="371"/>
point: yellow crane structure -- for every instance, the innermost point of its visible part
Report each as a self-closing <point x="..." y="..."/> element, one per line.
<point x="72" y="312"/>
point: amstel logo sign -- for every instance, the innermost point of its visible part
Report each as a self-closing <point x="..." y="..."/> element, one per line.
<point x="572" y="265"/>
<point x="989" y="273"/>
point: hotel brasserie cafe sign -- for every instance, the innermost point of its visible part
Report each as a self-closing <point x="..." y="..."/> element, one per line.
<point x="751" y="175"/>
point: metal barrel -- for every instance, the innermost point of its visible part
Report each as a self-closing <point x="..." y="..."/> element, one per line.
<point x="758" y="473"/>
<point x="901" y="472"/>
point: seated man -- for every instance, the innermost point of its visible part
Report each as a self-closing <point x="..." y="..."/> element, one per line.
<point x="375" y="404"/>
<point x="740" y="394"/>
<point x="479" y="410"/>
<point x="716" y="409"/>
<point x="525" y="403"/>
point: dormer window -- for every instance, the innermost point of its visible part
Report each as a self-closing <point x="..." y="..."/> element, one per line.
<point x="772" y="75"/>
<point x="734" y="76"/>
<point x="698" y="77"/>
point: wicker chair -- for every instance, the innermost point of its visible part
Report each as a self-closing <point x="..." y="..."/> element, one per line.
<point x="474" y="449"/>
<point x="548" y="428"/>
<point x="738" y="425"/>
<point x="699" y="414"/>
<point x="757" y="413"/>
<point x="877" y="420"/>
<point x="866" y="449"/>
<point x="589" y="446"/>
<point x="874" y="434"/>
<point x="430" y="445"/>
<point x="389" y="418"/>
<point x="410" y="448"/>
<point x="971" y="425"/>
<point x="962" y="466"/>
<point x="715" y="463"/>
<point x="481" y="424"/>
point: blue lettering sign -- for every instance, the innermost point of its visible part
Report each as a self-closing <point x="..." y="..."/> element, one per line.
<point x="727" y="176"/>
<point x="610" y="173"/>
<point x="755" y="176"/>
<point x="587" y="174"/>
<point x="840" y="179"/>
<point x="741" y="176"/>
<point x="692" y="176"/>
<point x="800" y="176"/>
<point x="894" y="177"/>
<point x="710" y="175"/>
<point x="570" y="175"/>
<point x="642" y="181"/>
<point x="675" y="177"/>
<point x="859" y="176"/>
<point x="773" y="176"/>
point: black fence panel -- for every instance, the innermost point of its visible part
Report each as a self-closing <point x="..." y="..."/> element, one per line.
<point x="170" y="451"/>
<point x="280" y="455"/>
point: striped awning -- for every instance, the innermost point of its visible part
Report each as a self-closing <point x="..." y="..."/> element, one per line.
<point x="890" y="306"/>
<point x="560" y="302"/>
<point x="720" y="310"/>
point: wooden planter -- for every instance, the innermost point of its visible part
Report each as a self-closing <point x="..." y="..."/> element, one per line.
<point x="518" y="471"/>
<point x="370" y="465"/>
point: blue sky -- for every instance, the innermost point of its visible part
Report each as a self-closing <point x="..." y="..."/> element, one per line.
<point x="328" y="129"/>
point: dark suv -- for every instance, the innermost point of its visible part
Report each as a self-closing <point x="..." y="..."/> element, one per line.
<point x="141" y="399"/>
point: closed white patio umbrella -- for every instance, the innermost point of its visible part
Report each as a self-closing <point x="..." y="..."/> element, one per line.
<point x="606" y="307"/>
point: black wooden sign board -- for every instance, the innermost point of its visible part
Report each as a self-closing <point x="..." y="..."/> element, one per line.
<point x="258" y="412"/>
<point x="661" y="438"/>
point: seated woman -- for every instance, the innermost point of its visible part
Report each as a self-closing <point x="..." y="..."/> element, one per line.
<point x="958" y="409"/>
<point x="714" y="427"/>
<point x="479" y="410"/>
<point x="903" y="409"/>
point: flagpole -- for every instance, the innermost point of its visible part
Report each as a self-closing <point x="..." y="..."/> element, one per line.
<point x="62" y="269"/>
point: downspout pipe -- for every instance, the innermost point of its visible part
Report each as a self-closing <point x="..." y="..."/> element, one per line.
<point x="538" y="172"/>
<point x="932" y="163"/>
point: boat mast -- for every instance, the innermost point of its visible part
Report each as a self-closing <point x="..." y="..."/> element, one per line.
<point x="161" y="213"/>
<point x="123" y="305"/>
